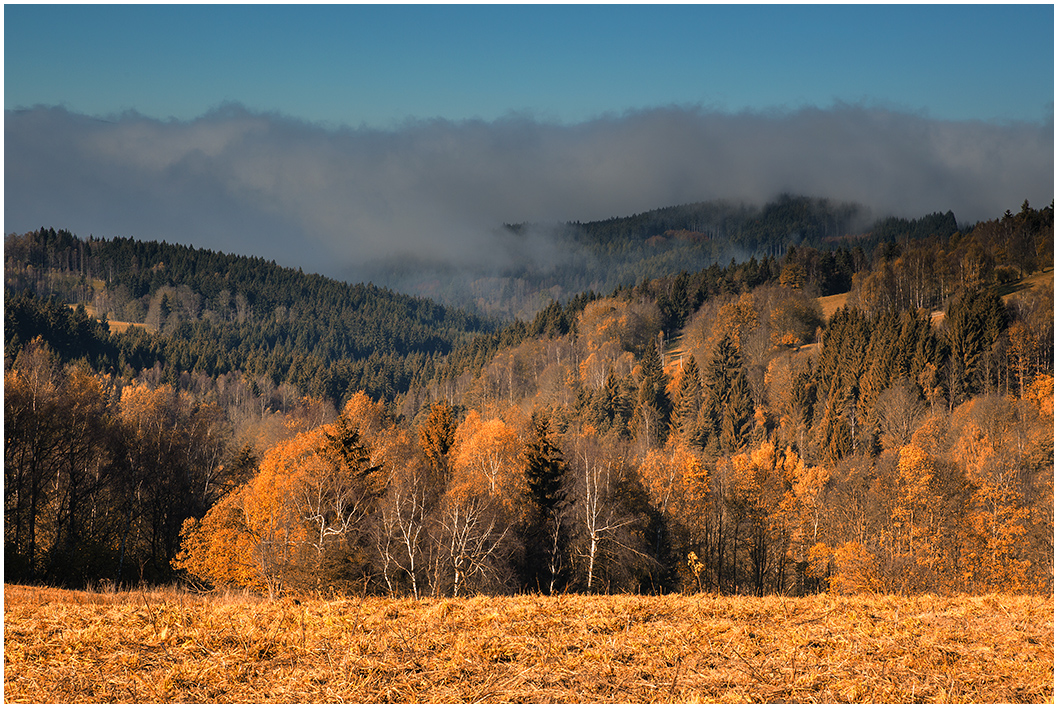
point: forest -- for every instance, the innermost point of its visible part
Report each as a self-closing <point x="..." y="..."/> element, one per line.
<point x="604" y="255"/>
<point x="176" y="414"/>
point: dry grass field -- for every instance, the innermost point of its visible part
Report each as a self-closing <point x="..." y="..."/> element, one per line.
<point x="166" y="646"/>
<point x="832" y="303"/>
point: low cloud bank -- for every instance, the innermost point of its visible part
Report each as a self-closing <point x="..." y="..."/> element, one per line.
<point x="330" y="200"/>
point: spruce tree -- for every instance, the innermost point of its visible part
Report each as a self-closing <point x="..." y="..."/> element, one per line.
<point x="737" y="421"/>
<point x="721" y="371"/>
<point x="544" y="534"/>
<point x="689" y="405"/>
<point x="652" y="405"/>
<point x="975" y="322"/>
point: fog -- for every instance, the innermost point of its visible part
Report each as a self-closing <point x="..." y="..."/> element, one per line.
<point x="331" y="200"/>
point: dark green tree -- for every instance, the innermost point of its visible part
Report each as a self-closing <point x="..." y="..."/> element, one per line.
<point x="975" y="322"/>
<point x="688" y="407"/>
<point x="737" y="420"/>
<point x="545" y="535"/>
<point x="653" y="407"/>
<point x="719" y="375"/>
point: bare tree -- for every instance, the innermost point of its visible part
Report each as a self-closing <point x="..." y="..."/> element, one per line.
<point x="899" y="410"/>
<point x="601" y="518"/>
<point x="474" y="540"/>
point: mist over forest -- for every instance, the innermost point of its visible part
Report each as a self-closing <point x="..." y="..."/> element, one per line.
<point x="350" y="202"/>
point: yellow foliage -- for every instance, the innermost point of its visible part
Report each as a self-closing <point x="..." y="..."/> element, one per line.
<point x="736" y="319"/>
<point x="219" y="549"/>
<point x="856" y="571"/>
<point x="485" y="456"/>
<point x="364" y="414"/>
<point x="627" y="325"/>
<point x="677" y="481"/>
<point x="271" y="531"/>
<point x="1041" y="393"/>
<point x="818" y="559"/>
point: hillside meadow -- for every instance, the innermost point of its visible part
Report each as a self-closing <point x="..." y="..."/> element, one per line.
<point x="170" y="646"/>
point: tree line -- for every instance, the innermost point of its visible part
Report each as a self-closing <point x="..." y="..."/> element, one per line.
<point x="580" y="463"/>
<point x="707" y="430"/>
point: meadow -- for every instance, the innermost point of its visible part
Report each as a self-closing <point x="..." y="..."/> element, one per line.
<point x="173" y="646"/>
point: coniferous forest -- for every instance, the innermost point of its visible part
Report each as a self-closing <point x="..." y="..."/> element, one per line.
<point x="837" y="408"/>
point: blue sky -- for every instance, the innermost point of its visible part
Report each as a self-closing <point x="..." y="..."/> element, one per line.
<point x="329" y="137"/>
<point x="381" y="64"/>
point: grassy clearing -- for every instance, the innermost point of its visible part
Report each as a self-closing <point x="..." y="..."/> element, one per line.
<point x="832" y="303"/>
<point x="64" y="647"/>
<point x="116" y="326"/>
<point x="1040" y="279"/>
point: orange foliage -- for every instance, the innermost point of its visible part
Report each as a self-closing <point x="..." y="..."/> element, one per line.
<point x="274" y="530"/>
<point x="856" y="570"/>
<point x="678" y="484"/>
<point x="485" y="456"/>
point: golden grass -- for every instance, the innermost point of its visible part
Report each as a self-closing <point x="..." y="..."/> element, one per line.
<point x="1040" y="279"/>
<point x="62" y="647"/>
<point x="117" y="326"/>
<point x="832" y="303"/>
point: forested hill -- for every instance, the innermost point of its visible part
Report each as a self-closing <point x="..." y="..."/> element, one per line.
<point x="213" y="313"/>
<point x="604" y="255"/>
<point x="729" y="435"/>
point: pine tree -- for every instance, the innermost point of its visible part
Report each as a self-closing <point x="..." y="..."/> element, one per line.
<point x="437" y="436"/>
<point x="737" y="420"/>
<point x="544" y="467"/>
<point x="689" y="405"/>
<point x="653" y="407"/>
<point x="719" y="375"/>
<point x="545" y="534"/>
<point x="975" y="322"/>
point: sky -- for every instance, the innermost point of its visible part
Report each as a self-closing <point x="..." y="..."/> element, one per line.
<point x="330" y="135"/>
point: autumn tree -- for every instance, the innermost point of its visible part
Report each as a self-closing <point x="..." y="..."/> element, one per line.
<point x="927" y="499"/>
<point x="804" y="506"/>
<point x="791" y="389"/>
<point x="760" y="513"/>
<point x="32" y="439"/>
<point x="408" y="510"/>
<point x="485" y="452"/>
<point x="994" y="435"/>
<point x="81" y="539"/>
<point x="482" y="505"/>
<point x="255" y="537"/>
<point x="611" y="334"/>
<point x="678" y="484"/>
<point x="158" y="495"/>
<point x="298" y="522"/>
<point x="1031" y="334"/>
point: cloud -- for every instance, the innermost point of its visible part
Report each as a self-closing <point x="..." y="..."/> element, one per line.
<point x="330" y="199"/>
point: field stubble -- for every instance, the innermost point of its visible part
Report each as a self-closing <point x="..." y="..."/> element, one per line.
<point x="168" y="646"/>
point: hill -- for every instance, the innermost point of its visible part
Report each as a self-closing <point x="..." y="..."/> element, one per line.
<point x="556" y="261"/>
<point x="390" y="445"/>
<point x="215" y="313"/>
